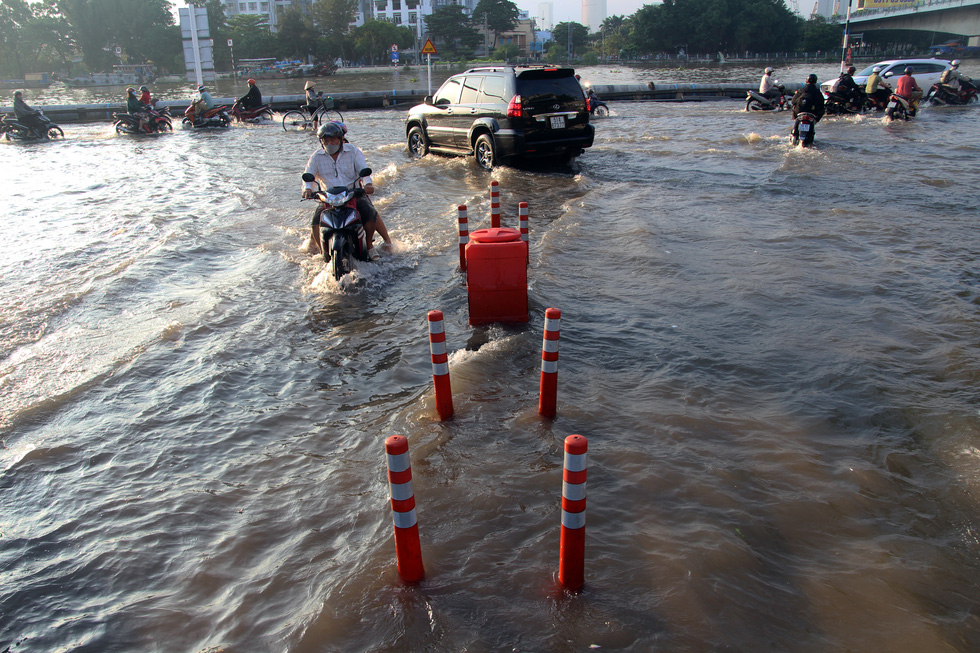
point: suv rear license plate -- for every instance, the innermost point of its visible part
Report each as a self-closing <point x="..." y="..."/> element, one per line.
<point x="558" y="122"/>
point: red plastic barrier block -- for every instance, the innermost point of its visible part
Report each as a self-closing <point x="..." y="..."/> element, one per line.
<point x="496" y="276"/>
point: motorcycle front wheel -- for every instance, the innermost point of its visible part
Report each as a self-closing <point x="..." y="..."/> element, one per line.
<point x="341" y="260"/>
<point x="55" y="132"/>
<point x="601" y="111"/>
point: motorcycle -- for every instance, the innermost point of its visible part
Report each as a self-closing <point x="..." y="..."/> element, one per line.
<point x="755" y="101"/>
<point x="158" y="121"/>
<point x="14" y="130"/>
<point x="838" y="104"/>
<point x="597" y="107"/>
<point x="216" y="117"/>
<point x="899" y="108"/>
<point x="943" y="95"/>
<point x="342" y="237"/>
<point x="804" y="129"/>
<point x="251" y="115"/>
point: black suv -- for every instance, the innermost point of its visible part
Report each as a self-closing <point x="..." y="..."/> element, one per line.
<point x="501" y="113"/>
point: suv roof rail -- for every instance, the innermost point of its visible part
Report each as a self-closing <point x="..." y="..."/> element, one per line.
<point x="504" y="67"/>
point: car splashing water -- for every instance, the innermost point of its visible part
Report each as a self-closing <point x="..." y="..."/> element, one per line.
<point x="772" y="351"/>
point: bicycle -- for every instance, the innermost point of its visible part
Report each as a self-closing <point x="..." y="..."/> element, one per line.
<point x="300" y="120"/>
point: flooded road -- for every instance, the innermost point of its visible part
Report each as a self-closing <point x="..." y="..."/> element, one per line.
<point x="772" y="351"/>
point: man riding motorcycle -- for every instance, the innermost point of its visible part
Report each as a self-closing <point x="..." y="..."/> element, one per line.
<point x="907" y="89"/>
<point x="877" y="89"/>
<point x="27" y="115"/>
<point x="848" y="89"/>
<point x="252" y="99"/>
<point x="809" y="99"/>
<point x="137" y="109"/>
<point x="338" y="163"/>
<point x="952" y="77"/>
<point x="201" y="104"/>
<point x="768" y="86"/>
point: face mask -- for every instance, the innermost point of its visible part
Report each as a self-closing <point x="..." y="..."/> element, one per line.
<point x="331" y="149"/>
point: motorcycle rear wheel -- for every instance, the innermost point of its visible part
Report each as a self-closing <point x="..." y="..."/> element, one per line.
<point x="123" y="128"/>
<point x="753" y="104"/>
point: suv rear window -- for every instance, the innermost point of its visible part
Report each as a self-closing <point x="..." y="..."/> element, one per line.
<point x="564" y="90"/>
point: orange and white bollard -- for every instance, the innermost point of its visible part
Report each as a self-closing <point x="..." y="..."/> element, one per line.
<point x="571" y="561"/>
<point x="548" y="393"/>
<point x="494" y="204"/>
<point x="522" y="210"/>
<point x="440" y="366"/>
<point x="408" y="550"/>
<point x="464" y="236"/>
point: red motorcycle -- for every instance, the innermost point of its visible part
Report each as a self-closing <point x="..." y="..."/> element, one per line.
<point x="216" y="117"/>
<point x="251" y="115"/>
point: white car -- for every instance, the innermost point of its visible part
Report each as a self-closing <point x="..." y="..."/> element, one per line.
<point x="926" y="72"/>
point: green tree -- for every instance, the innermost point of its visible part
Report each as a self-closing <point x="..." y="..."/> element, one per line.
<point x="297" y="36"/>
<point x="451" y="28"/>
<point x="333" y="19"/>
<point x="373" y="40"/>
<point x="818" y="34"/>
<point x="251" y="37"/>
<point x="497" y="15"/>
<point x="15" y="15"/>
<point x="102" y="25"/>
<point x="576" y="33"/>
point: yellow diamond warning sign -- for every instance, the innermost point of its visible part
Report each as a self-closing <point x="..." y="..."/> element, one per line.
<point x="428" y="48"/>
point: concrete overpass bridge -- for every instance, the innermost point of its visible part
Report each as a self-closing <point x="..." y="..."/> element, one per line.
<point x="960" y="17"/>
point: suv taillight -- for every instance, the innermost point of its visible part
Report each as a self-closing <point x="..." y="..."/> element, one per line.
<point x="514" y="109"/>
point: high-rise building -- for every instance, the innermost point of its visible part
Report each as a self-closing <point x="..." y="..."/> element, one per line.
<point x="546" y="15"/>
<point x="268" y="9"/>
<point x="593" y="13"/>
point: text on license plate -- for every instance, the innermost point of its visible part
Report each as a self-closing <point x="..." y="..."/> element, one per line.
<point x="557" y="122"/>
<point x="892" y="105"/>
<point x="804" y="126"/>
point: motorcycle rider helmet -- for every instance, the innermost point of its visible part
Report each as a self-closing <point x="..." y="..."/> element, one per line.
<point x="851" y="70"/>
<point x="812" y="79"/>
<point x="251" y="82"/>
<point x="200" y="89"/>
<point x="131" y="91"/>
<point x="143" y="89"/>
<point x="877" y="69"/>
<point x="331" y="129"/>
<point x="955" y="63"/>
<point x="908" y="71"/>
<point x="770" y="70"/>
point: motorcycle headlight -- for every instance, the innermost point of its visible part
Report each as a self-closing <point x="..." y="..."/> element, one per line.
<point x="336" y="199"/>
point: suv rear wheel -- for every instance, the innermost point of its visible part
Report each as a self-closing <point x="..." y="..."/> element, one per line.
<point x="417" y="143"/>
<point x="486" y="157"/>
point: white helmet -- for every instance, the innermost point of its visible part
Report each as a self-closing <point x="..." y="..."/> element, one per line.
<point x="955" y="63"/>
<point x="770" y="70"/>
<point x="877" y="69"/>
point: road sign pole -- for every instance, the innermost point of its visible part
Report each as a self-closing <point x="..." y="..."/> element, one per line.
<point x="428" y="64"/>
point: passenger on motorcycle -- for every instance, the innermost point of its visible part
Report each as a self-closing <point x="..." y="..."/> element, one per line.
<point x="809" y="99"/>
<point x="27" y="115"/>
<point x="337" y="164"/>
<point x="877" y="88"/>
<point x="953" y="77"/>
<point x="768" y="86"/>
<point x="137" y="109"/>
<point x="252" y="99"/>
<point x="145" y="98"/>
<point x="906" y="88"/>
